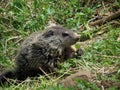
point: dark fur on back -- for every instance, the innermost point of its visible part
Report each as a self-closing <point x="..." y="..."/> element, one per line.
<point x="41" y="50"/>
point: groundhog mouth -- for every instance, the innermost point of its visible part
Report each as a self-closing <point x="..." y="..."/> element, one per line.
<point x="75" y="41"/>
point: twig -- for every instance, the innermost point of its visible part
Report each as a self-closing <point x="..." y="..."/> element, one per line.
<point x="8" y="80"/>
<point x="88" y="2"/>
<point x="106" y="19"/>
<point x="45" y="73"/>
<point x="103" y="5"/>
<point x="109" y="56"/>
<point x="62" y="75"/>
<point x="22" y="82"/>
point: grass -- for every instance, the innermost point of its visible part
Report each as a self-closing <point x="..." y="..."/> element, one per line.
<point x="19" y="18"/>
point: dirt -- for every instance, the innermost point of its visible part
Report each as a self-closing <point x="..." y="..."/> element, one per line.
<point x="107" y="84"/>
<point x="70" y="81"/>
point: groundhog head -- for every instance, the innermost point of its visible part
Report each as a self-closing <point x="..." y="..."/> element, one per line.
<point x="67" y="37"/>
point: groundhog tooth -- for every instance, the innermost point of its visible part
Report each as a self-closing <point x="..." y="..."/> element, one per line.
<point x="73" y="47"/>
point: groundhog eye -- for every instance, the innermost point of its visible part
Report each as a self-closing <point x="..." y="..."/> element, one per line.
<point x="65" y="34"/>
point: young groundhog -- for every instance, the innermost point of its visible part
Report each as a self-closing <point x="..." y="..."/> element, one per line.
<point x="42" y="50"/>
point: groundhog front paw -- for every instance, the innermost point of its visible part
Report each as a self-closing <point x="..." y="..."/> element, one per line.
<point x="79" y="52"/>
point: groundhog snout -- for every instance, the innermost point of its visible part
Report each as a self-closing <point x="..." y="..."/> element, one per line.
<point x="76" y="37"/>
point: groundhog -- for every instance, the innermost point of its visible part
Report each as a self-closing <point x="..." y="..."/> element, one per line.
<point x="42" y="50"/>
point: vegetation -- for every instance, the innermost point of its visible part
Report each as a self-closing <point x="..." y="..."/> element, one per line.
<point x="19" y="18"/>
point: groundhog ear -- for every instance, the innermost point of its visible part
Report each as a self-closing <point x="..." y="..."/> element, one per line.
<point x="48" y="34"/>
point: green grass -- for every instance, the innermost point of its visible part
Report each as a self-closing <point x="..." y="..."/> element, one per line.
<point x="19" y="18"/>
